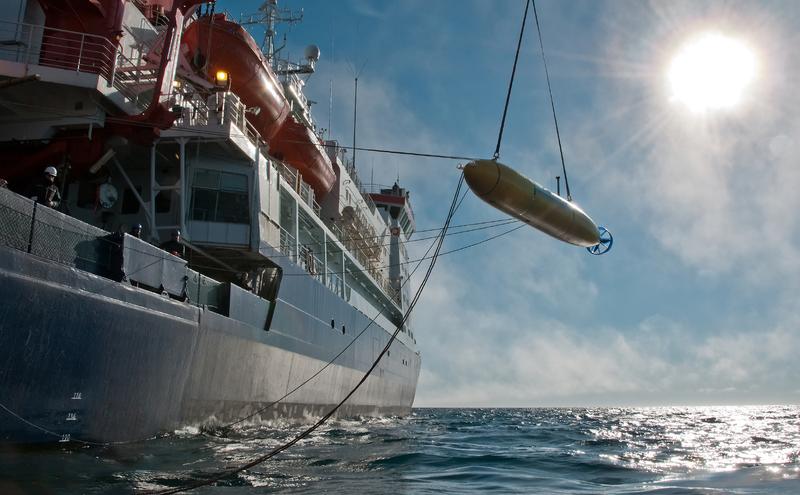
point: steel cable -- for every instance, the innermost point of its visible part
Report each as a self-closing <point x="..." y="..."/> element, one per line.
<point x="323" y="419"/>
<point x="511" y="83"/>
<point x="552" y="103"/>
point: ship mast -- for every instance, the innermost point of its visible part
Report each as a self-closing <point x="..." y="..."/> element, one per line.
<point x="269" y="15"/>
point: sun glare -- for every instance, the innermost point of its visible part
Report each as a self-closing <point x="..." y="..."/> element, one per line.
<point x="711" y="72"/>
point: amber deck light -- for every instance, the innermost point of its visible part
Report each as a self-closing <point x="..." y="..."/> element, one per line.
<point x="221" y="79"/>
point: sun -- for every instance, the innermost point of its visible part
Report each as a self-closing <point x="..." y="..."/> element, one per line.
<point x="711" y="72"/>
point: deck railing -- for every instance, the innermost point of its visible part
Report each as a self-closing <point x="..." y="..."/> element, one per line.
<point x="54" y="236"/>
<point x="32" y="44"/>
<point x="288" y="246"/>
<point x="59" y="48"/>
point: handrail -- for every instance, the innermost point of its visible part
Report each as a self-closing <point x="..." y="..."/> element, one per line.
<point x="55" y="47"/>
<point x="81" y="52"/>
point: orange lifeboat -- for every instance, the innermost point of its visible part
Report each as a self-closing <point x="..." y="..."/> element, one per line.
<point x="298" y="146"/>
<point x="217" y="44"/>
<point x="234" y="51"/>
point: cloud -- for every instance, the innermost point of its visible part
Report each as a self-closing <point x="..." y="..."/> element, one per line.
<point x="483" y="355"/>
<point x="697" y="302"/>
<point x="711" y="190"/>
<point x="374" y="10"/>
<point x="386" y="120"/>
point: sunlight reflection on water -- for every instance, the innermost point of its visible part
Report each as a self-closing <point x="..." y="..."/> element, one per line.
<point x="618" y="450"/>
<point x="709" y="438"/>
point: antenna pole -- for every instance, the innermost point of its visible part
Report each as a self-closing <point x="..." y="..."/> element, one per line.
<point x="355" y="115"/>
<point x="269" y="36"/>
<point x="330" y="108"/>
<point x="330" y="96"/>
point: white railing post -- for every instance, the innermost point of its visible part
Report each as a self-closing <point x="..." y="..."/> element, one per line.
<point x="325" y="257"/>
<point x="297" y="232"/>
<point x="80" y="52"/>
<point x="114" y="67"/>
<point x="153" y="193"/>
<point x="182" y="180"/>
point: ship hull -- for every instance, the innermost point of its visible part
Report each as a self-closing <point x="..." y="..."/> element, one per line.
<point x="87" y="358"/>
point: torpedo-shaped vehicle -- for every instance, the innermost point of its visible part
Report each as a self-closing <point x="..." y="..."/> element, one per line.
<point x="513" y="193"/>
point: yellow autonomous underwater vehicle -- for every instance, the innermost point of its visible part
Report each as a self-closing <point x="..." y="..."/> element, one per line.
<point x="513" y="193"/>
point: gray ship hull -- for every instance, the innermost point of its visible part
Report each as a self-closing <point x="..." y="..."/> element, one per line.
<point x="84" y="357"/>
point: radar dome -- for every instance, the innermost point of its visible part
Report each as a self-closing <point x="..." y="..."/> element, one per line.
<point x="312" y="53"/>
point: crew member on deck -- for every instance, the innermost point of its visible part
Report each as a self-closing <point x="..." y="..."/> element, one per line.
<point x="136" y="231"/>
<point x="174" y="245"/>
<point x="46" y="192"/>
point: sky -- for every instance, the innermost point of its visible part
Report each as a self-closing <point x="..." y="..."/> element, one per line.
<point x="696" y="303"/>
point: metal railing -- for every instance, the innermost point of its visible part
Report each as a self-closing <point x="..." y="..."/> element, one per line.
<point x="353" y="173"/>
<point x="54" y="236"/>
<point x="58" y="48"/>
<point x="304" y="257"/>
<point x="291" y="176"/>
<point x="336" y="285"/>
<point x="236" y="113"/>
<point x="79" y="52"/>
<point x="133" y="79"/>
<point x="288" y="246"/>
<point x="195" y="111"/>
<point x="49" y="234"/>
<point x="153" y="13"/>
<point x="311" y="263"/>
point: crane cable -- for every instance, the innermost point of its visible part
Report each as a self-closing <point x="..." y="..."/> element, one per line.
<point x="552" y="103"/>
<point x="549" y="90"/>
<point x="224" y="429"/>
<point x="225" y="474"/>
<point x="511" y="82"/>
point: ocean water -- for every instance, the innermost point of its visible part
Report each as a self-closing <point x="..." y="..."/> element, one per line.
<point x="695" y="450"/>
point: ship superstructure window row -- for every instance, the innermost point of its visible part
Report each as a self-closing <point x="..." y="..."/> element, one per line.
<point x="220" y="197"/>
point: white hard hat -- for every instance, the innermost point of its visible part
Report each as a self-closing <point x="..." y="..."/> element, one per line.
<point x="51" y="171"/>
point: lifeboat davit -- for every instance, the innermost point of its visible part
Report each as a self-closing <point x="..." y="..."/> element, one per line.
<point x="217" y="44"/>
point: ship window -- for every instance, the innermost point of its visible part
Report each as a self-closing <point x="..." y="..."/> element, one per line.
<point x="220" y="197"/>
<point x="233" y="182"/>
<point x="208" y="179"/>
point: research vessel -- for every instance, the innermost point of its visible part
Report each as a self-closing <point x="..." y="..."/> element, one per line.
<point x="168" y="114"/>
